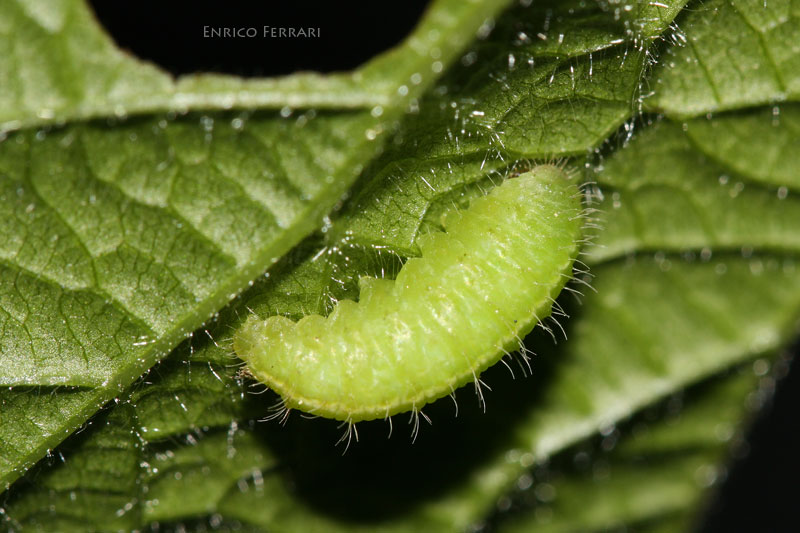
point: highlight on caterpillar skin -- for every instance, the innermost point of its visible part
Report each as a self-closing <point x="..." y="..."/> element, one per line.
<point x="478" y="288"/>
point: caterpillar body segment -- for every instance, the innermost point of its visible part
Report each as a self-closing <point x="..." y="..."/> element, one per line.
<point x="477" y="289"/>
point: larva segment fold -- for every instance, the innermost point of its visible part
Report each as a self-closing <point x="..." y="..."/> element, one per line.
<point x="476" y="290"/>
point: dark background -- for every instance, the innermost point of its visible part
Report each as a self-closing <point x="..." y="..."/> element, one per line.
<point x="763" y="488"/>
<point x="762" y="491"/>
<point x="170" y="33"/>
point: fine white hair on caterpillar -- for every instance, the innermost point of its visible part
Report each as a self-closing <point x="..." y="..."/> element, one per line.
<point x="478" y="288"/>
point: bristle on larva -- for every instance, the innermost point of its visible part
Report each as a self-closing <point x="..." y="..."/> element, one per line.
<point x="478" y="288"/>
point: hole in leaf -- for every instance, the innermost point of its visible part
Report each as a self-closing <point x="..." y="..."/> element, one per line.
<point x="257" y="38"/>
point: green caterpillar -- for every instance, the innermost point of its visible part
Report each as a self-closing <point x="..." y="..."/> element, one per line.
<point x="478" y="288"/>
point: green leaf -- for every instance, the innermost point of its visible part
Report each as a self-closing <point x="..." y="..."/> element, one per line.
<point x="121" y="238"/>
<point x="59" y="66"/>
<point x="463" y="138"/>
<point x="652" y="326"/>
<point x="116" y="261"/>
<point x="696" y="272"/>
<point x="641" y="476"/>
<point x="660" y="344"/>
<point x="772" y="133"/>
<point x="729" y="54"/>
<point x="113" y="249"/>
<point x="662" y="193"/>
